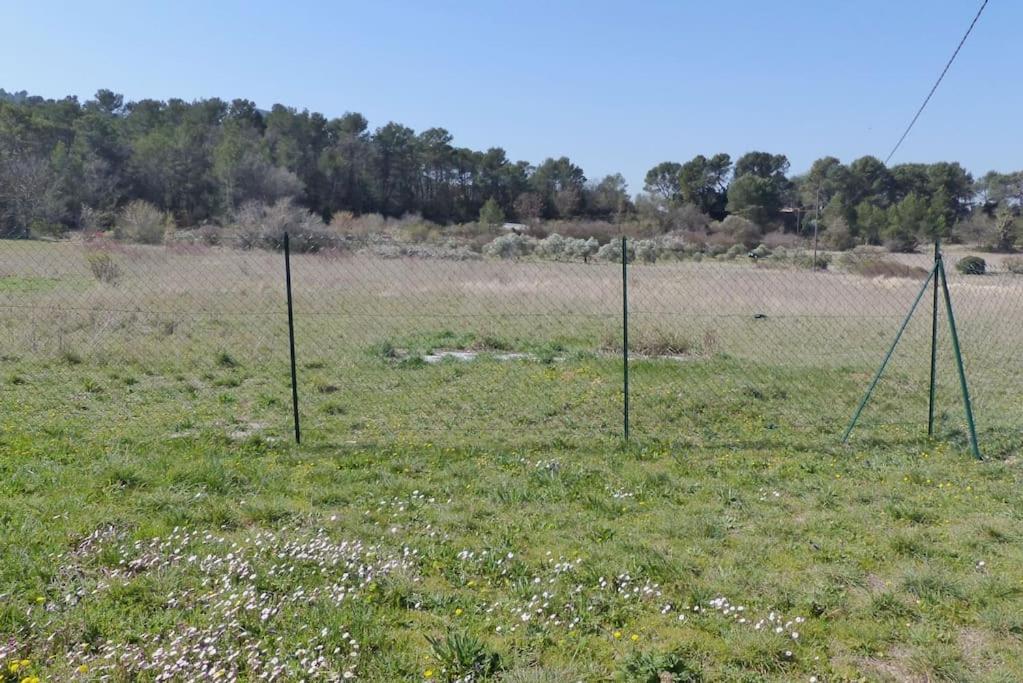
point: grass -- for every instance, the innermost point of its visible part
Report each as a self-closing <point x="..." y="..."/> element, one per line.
<point x="482" y="519"/>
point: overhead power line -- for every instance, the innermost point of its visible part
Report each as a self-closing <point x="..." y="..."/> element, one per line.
<point x="937" y="82"/>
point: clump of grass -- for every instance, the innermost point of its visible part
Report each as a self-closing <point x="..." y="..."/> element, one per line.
<point x="651" y="341"/>
<point x="654" y="667"/>
<point x="877" y="265"/>
<point x="71" y="357"/>
<point x="465" y="656"/>
<point x="103" y="267"/>
<point x="226" y="360"/>
<point x="333" y="408"/>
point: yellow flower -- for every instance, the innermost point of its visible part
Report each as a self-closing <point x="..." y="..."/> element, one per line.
<point x="25" y="663"/>
<point x="40" y="599"/>
<point x="428" y="673"/>
<point x="634" y="637"/>
<point x="83" y="669"/>
<point x="617" y="634"/>
<point x="458" y="612"/>
<point x="13" y="667"/>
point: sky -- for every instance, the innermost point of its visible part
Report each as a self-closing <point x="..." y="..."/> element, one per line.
<point x="616" y="86"/>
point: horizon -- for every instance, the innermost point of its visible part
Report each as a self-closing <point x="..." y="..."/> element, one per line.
<point x="746" y="103"/>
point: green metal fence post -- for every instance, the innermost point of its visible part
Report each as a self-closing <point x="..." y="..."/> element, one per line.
<point x="959" y="363"/>
<point x="934" y="345"/>
<point x="625" y="333"/>
<point x="887" y="357"/>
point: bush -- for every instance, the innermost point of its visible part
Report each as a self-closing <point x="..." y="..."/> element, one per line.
<point x="971" y="265"/>
<point x="103" y="266"/>
<point x="1014" y="264"/>
<point x="737" y="230"/>
<point x="871" y="263"/>
<point x="553" y="247"/>
<point x="647" y="250"/>
<point x="612" y="251"/>
<point x="510" y="246"/>
<point x="258" y="225"/>
<point x="143" y="223"/>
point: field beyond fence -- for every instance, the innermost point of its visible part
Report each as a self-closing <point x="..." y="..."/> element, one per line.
<point x="508" y="352"/>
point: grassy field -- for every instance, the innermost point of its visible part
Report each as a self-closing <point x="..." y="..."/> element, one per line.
<point x="482" y="520"/>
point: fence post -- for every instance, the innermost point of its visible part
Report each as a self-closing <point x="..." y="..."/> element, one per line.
<point x="625" y="333"/>
<point x="291" y="338"/>
<point x="959" y="362"/>
<point x="934" y="345"/>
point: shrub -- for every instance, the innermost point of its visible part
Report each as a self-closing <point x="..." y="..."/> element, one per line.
<point x="646" y="250"/>
<point x="142" y="222"/>
<point x="580" y="249"/>
<point x="1014" y="264"/>
<point x="612" y="251"/>
<point x="737" y="230"/>
<point x="103" y="266"/>
<point x="735" y="251"/>
<point x="870" y="263"/>
<point x="971" y="265"/>
<point x="553" y="246"/>
<point x="510" y="246"/>
<point x="804" y="259"/>
<point x="777" y="238"/>
<point x="258" y="225"/>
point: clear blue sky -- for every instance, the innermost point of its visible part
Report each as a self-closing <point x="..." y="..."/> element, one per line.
<point x="617" y="86"/>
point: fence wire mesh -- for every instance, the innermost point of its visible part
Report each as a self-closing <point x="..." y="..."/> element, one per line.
<point x="736" y="349"/>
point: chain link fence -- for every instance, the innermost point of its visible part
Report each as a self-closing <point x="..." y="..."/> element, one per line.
<point x="757" y="348"/>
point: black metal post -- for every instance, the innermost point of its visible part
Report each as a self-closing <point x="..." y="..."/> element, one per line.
<point x="291" y="338"/>
<point x="625" y="331"/>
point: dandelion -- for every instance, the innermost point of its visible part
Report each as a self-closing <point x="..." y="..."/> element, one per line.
<point x="428" y="673"/>
<point x="617" y="634"/>
<point x="634" y="637"/>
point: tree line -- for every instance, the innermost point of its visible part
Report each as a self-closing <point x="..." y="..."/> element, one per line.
<point x="65" y="163"/>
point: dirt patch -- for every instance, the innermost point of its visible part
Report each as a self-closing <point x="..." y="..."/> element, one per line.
<point x="895" y="668"/>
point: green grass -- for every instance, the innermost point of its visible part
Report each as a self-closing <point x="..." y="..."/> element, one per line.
<point x="901" y="558"/>
<point x="483" y="519"/>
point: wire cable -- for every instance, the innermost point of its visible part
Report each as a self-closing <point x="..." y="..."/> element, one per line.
<point x="937" y="82"/>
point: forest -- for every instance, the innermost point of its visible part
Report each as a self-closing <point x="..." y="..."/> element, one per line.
<point x="67" y="165"/>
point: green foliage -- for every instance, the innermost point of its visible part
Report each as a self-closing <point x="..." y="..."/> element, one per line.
<point x="491" y="213"/>
<point x="464" y="656"/>
<point x="653" y="667"/>
<point x="510" y="246"/>
<point x="103" y="267"/>
<point x="754" y="198"/>
<point x="739" y="230"/>
<point x="971" y="265"/>
<point x="143" y="223"/>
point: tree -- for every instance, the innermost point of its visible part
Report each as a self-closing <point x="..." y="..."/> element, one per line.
<point x="703" y="182"/>
<point x="528" y="207"/>
<point x="491" y="213"/>
<point x="609" y="198"/>
<point x="559" y="183"/>
<point x="762" y="165"/>
<point x="755" y="198"/>
<point x="663" y="180"/>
